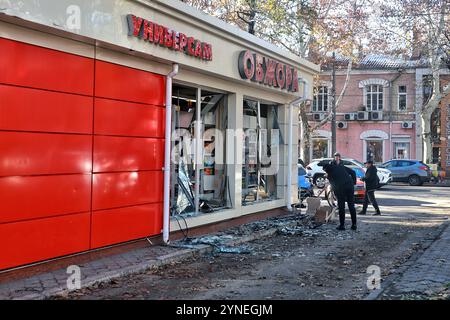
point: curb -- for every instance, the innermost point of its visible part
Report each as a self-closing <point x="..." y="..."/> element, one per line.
<point x="135" y="269"/>
<point x="177" y="256"/>
<point x="390" y="279"/>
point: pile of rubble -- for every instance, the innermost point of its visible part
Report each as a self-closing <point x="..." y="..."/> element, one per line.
<point x="291" y="225"/>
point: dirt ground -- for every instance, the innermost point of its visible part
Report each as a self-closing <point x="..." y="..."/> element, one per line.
<point x="297" y="263"/>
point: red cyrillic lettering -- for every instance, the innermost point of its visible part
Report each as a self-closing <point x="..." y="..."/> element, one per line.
<point x="183" y="42"/>
<point x="280" y="75"/>
<point x="147" y="34"/>
<point x="259" y="70"/>
<point x="134" y="25"/>
<point x="207" y="52"/>
<point x="246" y="65"/>
<point x="295" y="80"/>
<point x="270" y="72"/>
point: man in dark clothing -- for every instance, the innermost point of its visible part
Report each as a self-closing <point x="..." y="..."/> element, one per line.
<point x="372" y="183"/>
<point x="337" y="159"/>
<point x="342" y="180"/>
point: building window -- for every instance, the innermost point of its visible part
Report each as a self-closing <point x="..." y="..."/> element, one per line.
<point x="401" y="150"/>
<point x="260" y="154"/>
<point x="211" y="179"/>
<point x="320" y="148"/>
<point x="374" y="97"/>
<point x="401" y="98"/>
<point x="320" y="103"/>
<point x="374" y="150"/>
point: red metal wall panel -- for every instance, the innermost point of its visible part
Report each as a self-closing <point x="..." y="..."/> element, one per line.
<point x="46" y="174"/>
<point x="23" y="198"/>
<point x="31" y="66"/>
<point x="112" y="154"/>
<point x="46" y="111"/>
<point x="128" y="119"/>
<point x="31" y="241"/>
<point x="128" y="84"/>
<point x="43" y="153"/>
<point x="113" y="190"/>
<point x="125" y="224"/>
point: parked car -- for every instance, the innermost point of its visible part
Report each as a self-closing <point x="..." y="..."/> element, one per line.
<point x="317" y="173"/>
<point x="412" y="171"/>
<point x="360" y="188"/>
<point x="305" y="186"/>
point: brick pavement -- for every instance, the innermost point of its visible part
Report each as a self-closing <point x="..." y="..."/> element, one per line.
<point x="47" y="284"/>
<point x="429" y="274"/>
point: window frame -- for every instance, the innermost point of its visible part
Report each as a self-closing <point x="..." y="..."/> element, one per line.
<point x="402" y="94"/>
<point x="379" y="93"/>
<point x="324" y="98"/>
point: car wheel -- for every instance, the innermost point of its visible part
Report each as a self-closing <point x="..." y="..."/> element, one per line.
<point x="414" y="180"/>
<point x="319" y="181"/>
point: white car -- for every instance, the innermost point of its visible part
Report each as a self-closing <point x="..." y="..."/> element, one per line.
<point x="317" y="174"/>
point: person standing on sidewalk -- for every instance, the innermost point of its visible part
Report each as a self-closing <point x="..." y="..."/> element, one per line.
<point x="337" y="159"/>
<point x="342" y="180"/>
<point x="372" y="183"/>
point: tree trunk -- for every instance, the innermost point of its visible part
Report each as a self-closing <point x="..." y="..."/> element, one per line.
<point x="427" y="155"/>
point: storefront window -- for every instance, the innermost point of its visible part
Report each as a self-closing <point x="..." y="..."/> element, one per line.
<point x="260" y="152"/>
<point x="401" y="150"/>
<point x="320" y="148"/>
<point x="213" y="185"/>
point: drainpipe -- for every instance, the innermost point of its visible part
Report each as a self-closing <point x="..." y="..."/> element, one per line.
<point x="167" y="147"/>
<point x="290" y="125"/>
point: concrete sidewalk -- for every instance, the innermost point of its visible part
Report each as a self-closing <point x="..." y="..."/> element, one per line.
<point x="53" y="283"/>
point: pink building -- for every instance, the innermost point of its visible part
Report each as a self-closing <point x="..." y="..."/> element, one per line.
<point x="376" y="118"/>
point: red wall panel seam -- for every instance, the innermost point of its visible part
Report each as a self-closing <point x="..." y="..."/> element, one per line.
<point x="92" y="154"/>
<point x="49" y="90"/>
<point x="128" y="67"/>
<point x="49" y="174"/>
<point x="129" y="101"/>
<point x="51" y="49"/>
<point x="128" y="206"/>
<point x="52" y="132"/>
<point x="65" y="214"/>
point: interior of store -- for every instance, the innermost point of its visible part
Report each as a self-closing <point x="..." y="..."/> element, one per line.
<point x="260" y="142"/>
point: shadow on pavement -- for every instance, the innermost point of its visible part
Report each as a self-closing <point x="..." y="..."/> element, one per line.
<point x="402" y="202"/>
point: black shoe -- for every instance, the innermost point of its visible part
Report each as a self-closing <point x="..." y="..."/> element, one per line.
<point x="377" y="214"/>
<point x="362" y="213"/>
<point x="340" y="228"/>
<point x="354" y="227"/>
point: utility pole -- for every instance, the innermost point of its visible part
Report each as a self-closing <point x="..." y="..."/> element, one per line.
<point x="333" y="106"/>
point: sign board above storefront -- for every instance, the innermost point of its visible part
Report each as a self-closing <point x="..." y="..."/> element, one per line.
<point x="171" y="39"/>
<point x="266" y="71"/>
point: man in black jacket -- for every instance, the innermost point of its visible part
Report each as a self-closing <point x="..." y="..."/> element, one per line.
<point x="342" y="180"/>
<point x="337" y="159"/>
<point x="372" y="183"/>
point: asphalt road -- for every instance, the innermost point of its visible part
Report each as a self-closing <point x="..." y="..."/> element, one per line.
<point x="400" y="198"/>
<point x="320" y="263"/>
